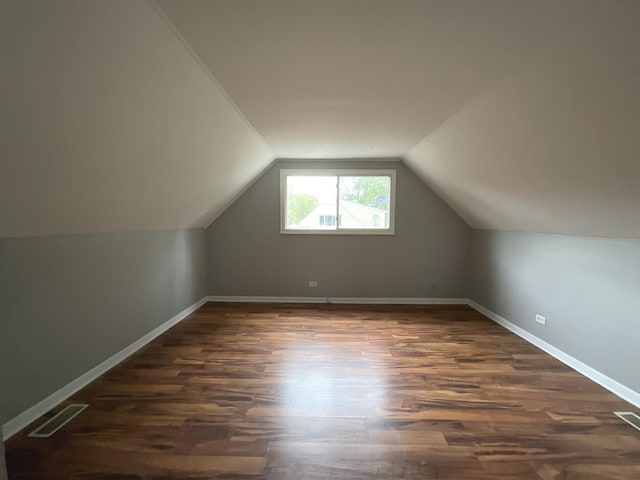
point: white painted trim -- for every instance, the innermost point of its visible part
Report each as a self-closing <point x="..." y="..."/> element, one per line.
<point x="397" y="301"/>
<point x="601" y="379"/>
<point x="338" y="172"/>
<point x="260" y="299"/>
<point x="82" y="408"/>
<point x="339" y="160"/>
<point x="623" y="416"/>
<point x="342" y="300"/>
<point x="28" y="416"/>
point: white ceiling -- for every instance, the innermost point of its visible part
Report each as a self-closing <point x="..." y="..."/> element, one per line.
<point x="521" y="114"/>
<point x="555" y="146"/>
<point x="108" y="123"/>
<point x="359" y="78"/>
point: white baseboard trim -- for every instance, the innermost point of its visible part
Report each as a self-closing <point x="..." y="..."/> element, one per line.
<point x="260" y="299"/>
<point x="398" y="301"/>
<point x="28" y="416"/>
<point x="25" y="418"/>
<point x="601" y="379"/>
<point x="342" y="300"/>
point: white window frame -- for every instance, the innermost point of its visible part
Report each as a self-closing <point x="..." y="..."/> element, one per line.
<point x="336" y="172"/>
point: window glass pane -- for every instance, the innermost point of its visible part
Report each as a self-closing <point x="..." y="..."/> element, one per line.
<point x="311" y="202"/>
<point x="364" y="202"/>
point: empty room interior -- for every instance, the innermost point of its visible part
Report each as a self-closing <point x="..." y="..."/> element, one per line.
<point x="328" y="239"/>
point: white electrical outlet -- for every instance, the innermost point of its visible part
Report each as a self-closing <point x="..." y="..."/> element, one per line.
<point x="541" y="320"/>
<point x="313" y="284"/>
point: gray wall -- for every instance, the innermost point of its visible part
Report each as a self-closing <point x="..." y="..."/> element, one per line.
<point x="427" y="257"/>
<point x="70" y="302"/>
<point x="588" y="288"/>
<point x="3" y="466"/>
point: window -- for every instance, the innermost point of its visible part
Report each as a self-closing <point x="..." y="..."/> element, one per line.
<point x="327" y="219"/>
<point x="337" y="201"/>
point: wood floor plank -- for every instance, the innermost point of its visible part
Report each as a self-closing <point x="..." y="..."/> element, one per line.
<point x="273" y="392"/>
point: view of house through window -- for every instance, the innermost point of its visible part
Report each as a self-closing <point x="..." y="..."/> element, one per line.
<point x="343" y="201"/>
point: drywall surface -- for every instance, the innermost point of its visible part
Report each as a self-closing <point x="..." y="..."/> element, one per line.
<point x="586" y="287"/>
<point x="553" y="147"/>
<point x="102" y="101"/>
<point x="427" y="256"/>
<point x="356" y="78"/>
<point x="3" y="466"/>
<point x="70" y="302"/>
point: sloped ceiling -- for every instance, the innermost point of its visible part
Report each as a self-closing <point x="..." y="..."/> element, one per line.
<point x="521" y="114"/>
<point x="555" y="146"/>
<point x="359" y="78"/>
<point x="107" y="123"/>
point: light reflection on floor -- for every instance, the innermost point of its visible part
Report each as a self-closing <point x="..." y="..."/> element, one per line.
<point x="349" y="387"/>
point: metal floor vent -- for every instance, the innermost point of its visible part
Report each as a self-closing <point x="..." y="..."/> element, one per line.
<point x="630" y="417"/>
<point x="54" y="424"/>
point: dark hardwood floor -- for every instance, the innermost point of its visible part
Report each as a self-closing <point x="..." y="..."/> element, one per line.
<point x="255" y="391"/>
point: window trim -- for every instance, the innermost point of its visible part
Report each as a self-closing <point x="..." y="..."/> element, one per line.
<point x="338" y="172"/>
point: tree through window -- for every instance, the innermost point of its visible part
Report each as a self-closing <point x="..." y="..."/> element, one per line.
<point x="337" y="201"/>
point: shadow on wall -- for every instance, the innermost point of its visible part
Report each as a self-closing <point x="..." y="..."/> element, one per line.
<point x="586" y="287"/>
<point x="80" y="299"/>
<point x="427" y="257"/>
<point x="3" y="465"/>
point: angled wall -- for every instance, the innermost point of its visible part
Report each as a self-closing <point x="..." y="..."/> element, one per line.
<point x="72" y="301"/>
<point x="3" y="466"/>
<point x="586" y="287"/>
<point x="108" y="123"/>
<point x="427" y="256"/>
<point x="554" y="146"/>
